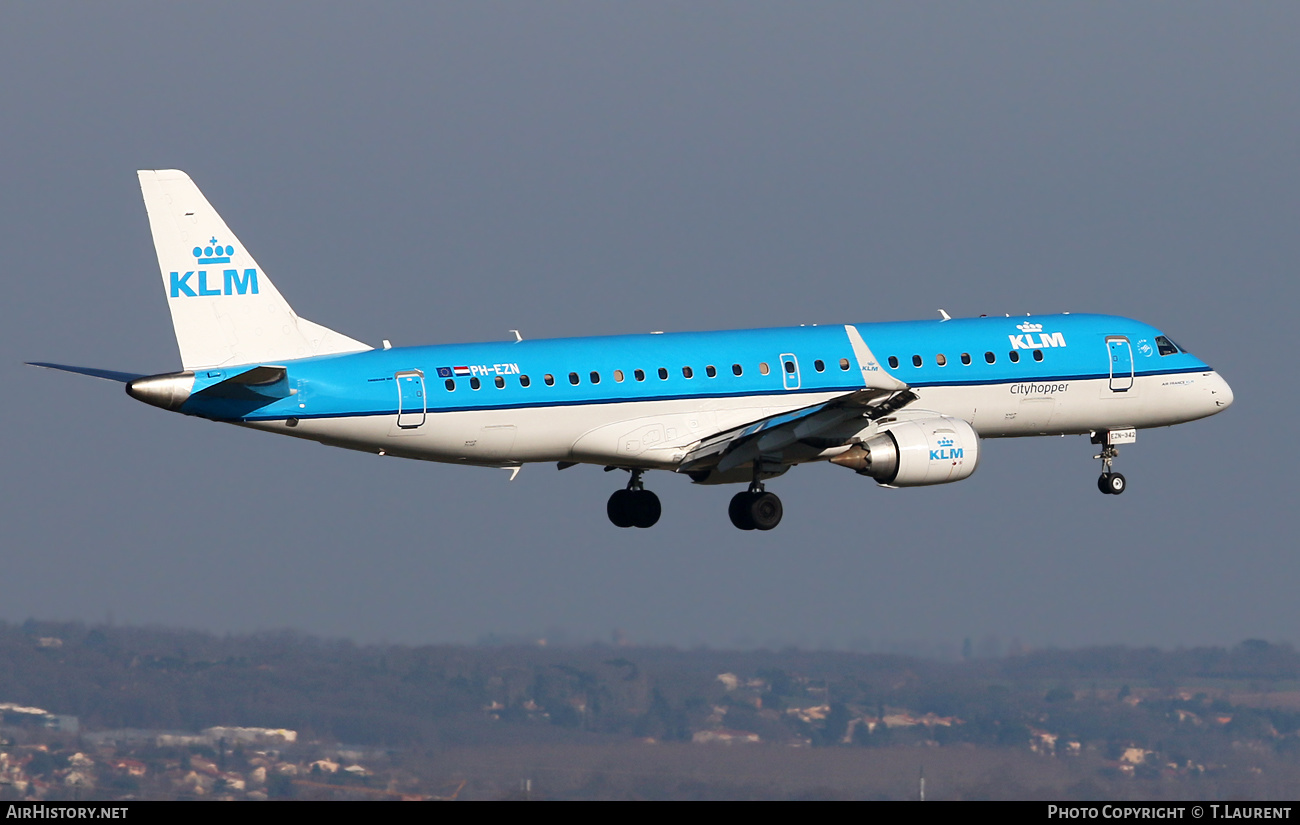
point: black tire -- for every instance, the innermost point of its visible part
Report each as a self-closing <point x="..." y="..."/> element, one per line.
<point x="738" y="510"/>
<point x="645" y="508"/>
<point x="765" y="511"/>
<point x="1118" y="484"/>
<point x="619" y="509"/>
<point x="1103" y="483"/>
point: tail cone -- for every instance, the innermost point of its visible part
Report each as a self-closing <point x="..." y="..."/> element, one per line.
<point x="168" y="391"/>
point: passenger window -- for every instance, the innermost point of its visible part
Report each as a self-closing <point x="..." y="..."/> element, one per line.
<point x="663" y="373"/>
<point x="736" y="369"/>
<point x="687" y="372"/>
<point x="1038" y="355"/>
<point x="618" y="376"/>
<point x="549" y="379"/>
<point x="573" y="378"/>
<point x="595" y="377"/>
<point x="893" y="363"/>
<point x="711" y="371"/>
<point x="501" y="383"/>
<point x="451" y="385"/>
<point x="916" y="360"/>
<point x="474" y="383"/>
<point x="819" y="365"/>
<point x="941" y="360"/>
<point x="990" y="357"/>
<point x="523" y="381"/>
<point x="1014" y="356"/>
<point x="789" y="366"/>
<point x="844" y="363"/>
<point x="638" y="375"/>
<point x="965" y="358"/>
<point x="763" y="368"/>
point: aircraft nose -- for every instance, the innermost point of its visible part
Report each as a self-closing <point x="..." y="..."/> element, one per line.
<point x="1220" y="393"/>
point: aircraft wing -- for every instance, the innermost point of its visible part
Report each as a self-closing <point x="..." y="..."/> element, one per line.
<point x="776" y="438"/>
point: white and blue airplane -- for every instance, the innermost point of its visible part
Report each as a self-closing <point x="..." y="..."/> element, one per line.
<point x="905" y="404"/>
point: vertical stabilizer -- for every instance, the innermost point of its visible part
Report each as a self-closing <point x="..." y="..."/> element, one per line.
<point x="224" y="308"/>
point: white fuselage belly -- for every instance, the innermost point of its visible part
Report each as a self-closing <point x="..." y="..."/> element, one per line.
<point x="657" y="434"/>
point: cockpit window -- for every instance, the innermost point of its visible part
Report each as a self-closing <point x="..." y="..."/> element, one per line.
<point x="1166" y="346"/>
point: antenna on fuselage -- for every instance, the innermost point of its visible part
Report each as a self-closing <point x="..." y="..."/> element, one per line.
<point x="946" y="316"/>
<point x="518" y="337"/>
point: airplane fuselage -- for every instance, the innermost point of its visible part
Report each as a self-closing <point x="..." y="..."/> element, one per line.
<point x="644" y="400"/>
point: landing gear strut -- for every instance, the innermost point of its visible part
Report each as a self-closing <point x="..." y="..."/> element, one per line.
<point x="1112" y="484"/>
<point x="755" y="508"/>
<point x="634" y="506"/>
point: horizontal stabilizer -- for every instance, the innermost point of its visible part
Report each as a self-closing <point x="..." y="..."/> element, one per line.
<point x="108" y="375"/>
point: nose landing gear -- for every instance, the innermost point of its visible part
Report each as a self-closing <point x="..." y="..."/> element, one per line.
<point x="1111" y="484"/>
<point x="634" y="506"/>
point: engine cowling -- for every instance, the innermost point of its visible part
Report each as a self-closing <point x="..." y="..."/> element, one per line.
<point x="916" y="452"/>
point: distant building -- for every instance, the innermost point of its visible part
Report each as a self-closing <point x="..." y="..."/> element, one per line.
<point x="725" y="737"/>
<point x="252" y="736"/>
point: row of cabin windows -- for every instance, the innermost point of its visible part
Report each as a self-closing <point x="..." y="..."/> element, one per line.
<point x="942" y="360"/>
<point x="639" y="375"/>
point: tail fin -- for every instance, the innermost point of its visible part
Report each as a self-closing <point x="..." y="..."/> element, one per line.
<point x="224" y="308"/>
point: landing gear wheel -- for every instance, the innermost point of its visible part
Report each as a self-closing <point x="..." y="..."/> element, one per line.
<point x="633" y="506"/>
<point x="1112" y="484"/>
<point x="765" y="511"/>
<point x="619" y="509"/>
<point x="645" y="508"/>
<point x="738" y="510"/>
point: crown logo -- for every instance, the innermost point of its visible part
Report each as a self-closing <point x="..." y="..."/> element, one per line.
<point x="946" y="442"/>
<point x="214" y="253"/>
<point x="1029" y="327"/>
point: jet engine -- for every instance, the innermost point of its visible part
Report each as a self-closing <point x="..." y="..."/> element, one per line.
<point x="916" y="452"/>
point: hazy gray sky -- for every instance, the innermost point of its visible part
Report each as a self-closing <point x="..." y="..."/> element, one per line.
<point x="441" y="172"/>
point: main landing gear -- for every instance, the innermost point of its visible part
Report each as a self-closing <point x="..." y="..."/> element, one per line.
<point x="1112" y="484"/>
<point x="634" y="506"/>
<point x="755" y="508"/>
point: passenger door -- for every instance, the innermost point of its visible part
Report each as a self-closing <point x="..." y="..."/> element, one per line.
<point x="1121" y="363"/>
<point x="411" y="405"/>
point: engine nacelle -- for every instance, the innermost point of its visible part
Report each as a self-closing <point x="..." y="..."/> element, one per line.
<point x="916" y="452"/>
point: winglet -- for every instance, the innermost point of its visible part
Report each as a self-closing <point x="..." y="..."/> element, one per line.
<point x="873" y="374"/>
